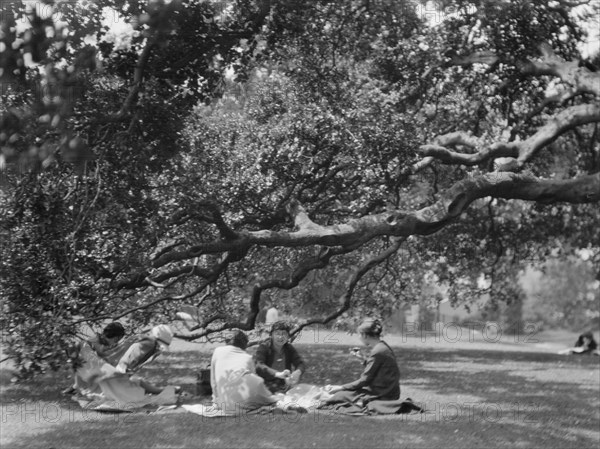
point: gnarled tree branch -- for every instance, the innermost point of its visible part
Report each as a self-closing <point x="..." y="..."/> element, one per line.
<point x="521" y="151"/>
<point x="454" y="201"/>
<point x="355" y="277"/>
<point x="581" y="79"/>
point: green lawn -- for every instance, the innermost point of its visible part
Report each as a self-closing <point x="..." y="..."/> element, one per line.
<point x="474" y="397"/>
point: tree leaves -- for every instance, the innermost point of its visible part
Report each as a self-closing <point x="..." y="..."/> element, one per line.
<point x="148" y="158"/>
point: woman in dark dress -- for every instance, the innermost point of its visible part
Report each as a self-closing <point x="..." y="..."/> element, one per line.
<point x="380" y="378"/>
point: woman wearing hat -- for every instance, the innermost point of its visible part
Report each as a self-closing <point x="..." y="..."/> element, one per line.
<point x="380" y="378"/>
<point x="145" y="349"/>
<point x="277" y="361"/>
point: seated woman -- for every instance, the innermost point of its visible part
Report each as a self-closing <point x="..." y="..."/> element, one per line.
<point x="585" y="344"/>
<point x="277" y="361"/>
<point x="107" y="383"/>
<point x="233" y="377"/>
<point x="115" y="389"/>
<point x="102" y="344"/>
<point x="381" y="376"/>
<point x="142" y="349"/>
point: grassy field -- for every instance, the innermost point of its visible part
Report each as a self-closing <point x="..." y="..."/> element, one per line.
<point x="478" y="393"/>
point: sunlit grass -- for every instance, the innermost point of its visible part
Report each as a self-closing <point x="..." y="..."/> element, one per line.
<point x="474" y="398"/>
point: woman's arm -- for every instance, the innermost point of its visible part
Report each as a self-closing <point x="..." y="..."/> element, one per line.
<point x="372" y="366"/>
<point x="262" y="367"/>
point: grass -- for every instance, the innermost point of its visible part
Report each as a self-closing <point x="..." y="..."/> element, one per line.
<point x="476" y="396"/>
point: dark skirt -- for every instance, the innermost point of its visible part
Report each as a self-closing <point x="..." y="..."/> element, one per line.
<point x="363" y="402"/>
<point x="358" y="397"/>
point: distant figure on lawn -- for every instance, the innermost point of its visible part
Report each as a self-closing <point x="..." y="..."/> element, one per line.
<point x="585" y="344"/>
<point x="261" y="318"/>
<point x="233" y="377"/>
<point x="277" y="361"/>
<point x="272" y="315"/>
<point x="380" y="379"/>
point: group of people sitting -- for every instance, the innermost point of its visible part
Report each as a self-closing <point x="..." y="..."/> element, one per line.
<point x="239" y="380"/>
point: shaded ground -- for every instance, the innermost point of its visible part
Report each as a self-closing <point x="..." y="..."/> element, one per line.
<point x="499" y="395"/>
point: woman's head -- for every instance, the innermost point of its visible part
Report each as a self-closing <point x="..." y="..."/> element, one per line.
<point x="238" y="339"/>
<point x="280" y="333"/>
<point x="371" y="328"/>
<point x="589" y="336"/>
<point x="113" y="332"/>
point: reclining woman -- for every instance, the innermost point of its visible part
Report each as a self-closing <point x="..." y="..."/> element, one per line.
<point x="585" y="344"/>
<point x="380" y="378"/>
<point x="106" y="383"/>
<point x="233" y="377"/>
<point x="103" y="344"/>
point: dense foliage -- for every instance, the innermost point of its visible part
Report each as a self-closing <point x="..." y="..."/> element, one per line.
<point x="144" y="142"/>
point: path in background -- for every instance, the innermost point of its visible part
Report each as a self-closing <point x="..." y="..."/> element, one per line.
<point x="453" y="337"/>
<point x="448" y="338"/>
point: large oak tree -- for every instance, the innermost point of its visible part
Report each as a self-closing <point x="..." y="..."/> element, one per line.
<point x="323" y="153"/>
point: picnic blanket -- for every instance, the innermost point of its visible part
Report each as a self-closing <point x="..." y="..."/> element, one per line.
<point x="308" y="397"/>
<point x="377" y="407"/>
<point x="214" y="411"/>
<point x="300" y="399"/>
<point x="124" y="396"/>
<point x="305" y="398"/>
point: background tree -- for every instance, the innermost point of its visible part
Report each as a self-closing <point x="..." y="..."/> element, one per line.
<point x="564" y="293"/>
<point x="219" y="152"/>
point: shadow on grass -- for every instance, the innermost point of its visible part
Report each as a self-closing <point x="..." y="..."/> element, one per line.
<point x="474" y="398"/>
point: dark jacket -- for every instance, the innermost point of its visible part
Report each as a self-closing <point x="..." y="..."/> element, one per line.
<point x="381" y="376"/>
<point x="265" y="356"/>
<point x="591" y="346"/>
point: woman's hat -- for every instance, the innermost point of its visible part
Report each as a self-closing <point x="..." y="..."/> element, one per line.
<point x="163" y="334"/>
<point x="370" y="326"/>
